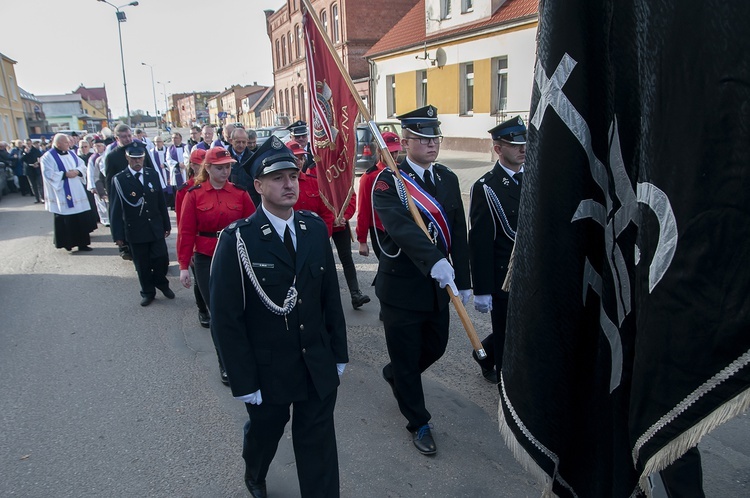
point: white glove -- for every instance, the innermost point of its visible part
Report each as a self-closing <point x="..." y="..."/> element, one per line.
<point x="465" y="296"/>
<point x="340" y="367"/>
<point x="443" y="273"/>
<point x="483" y="304"/>
<point x="254" y="398"/>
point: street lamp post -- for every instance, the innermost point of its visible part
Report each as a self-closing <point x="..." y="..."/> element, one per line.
<point x="153" y="89"/>
<point x="166" y="104"/>
<point x="120" y="19"/>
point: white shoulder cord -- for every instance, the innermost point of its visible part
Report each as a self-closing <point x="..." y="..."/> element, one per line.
<point x="377" y="239"/>
<point x="291" y="295"/>
<point x="497" y="209"/>
<point x="122" y="196"/>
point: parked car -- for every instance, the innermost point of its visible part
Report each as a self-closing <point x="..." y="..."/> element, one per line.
<point x="366" y="155"/>
<point x="265" y="133"/>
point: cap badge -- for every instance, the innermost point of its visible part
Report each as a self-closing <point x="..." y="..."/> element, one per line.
<point x="276" y="144"/>
<point x="430" y="112"/>
<point x="520" y="121"/>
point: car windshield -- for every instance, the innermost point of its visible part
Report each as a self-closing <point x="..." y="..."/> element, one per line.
<point x="263" y="133"/>
<point x="282" y="133"/>
<point x="363" y="135"/>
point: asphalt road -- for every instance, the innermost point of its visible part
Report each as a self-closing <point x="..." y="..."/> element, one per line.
<point x="101" y="397"/>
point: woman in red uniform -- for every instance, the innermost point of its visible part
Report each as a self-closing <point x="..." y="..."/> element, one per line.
<point x="210" y="204"/>
<point x="194" y="166"/>
<point x="309" y="194"/>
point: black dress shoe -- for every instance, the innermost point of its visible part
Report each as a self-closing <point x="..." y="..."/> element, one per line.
<point x="422" y="439"/>
<point x="146" y="300"/>
<point x="204" y="318"/>
<point x="168" y="293"/>
<point x="358" y="299"/>
<point x="489" y="374"/>
<point x="257" y="489"/>
<point x="84" y="248"/>
<point x="126" y="256"/>
<point x="224" y="376"/>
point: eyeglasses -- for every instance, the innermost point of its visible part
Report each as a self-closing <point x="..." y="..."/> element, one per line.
<point x="427" y="141"/>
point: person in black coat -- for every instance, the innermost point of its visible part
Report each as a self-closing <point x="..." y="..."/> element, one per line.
<point x="138" y="214"/>
<point x="279" y="326"/>
<point x="415" y="270"/>
<point x="493" y="216"/>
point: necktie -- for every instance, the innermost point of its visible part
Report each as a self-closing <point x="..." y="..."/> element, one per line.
<point x="138" y="177"/>
<point x="289" y="244"/>
<point x="428" y="182"/>
<point x="519" y="178"/>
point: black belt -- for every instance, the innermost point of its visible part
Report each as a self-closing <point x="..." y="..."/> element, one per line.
<point x="213" y="235"/>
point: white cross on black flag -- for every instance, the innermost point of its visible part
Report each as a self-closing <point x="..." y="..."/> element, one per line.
<point x="629" y="317"/>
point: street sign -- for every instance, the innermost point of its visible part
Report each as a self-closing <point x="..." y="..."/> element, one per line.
<point x="222" y="115"/>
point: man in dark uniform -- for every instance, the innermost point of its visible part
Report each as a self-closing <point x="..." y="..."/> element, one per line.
<point x="415" y="268"/>
<point x="138" y="213"/>
<point x="242" y="154"/>
<point x="493" y="217"/>
<point x="115" y="162"/>
<point x="300" y="134"/>
<point x="279" y="326"/>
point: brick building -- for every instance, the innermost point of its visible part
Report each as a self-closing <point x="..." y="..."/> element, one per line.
<point x="353" y="26"/>
<point x="192" y="109"/>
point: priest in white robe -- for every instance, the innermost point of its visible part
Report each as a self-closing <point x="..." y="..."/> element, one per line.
<point x="64" y="177"/>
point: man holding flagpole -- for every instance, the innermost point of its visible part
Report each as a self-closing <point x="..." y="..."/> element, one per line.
<point x="415" y="269"/>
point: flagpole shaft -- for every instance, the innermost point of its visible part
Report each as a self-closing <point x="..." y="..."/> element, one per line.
<point x="384" y="154"/>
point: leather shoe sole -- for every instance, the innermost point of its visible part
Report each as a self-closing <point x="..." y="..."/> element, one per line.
<point x="147" y="300"/>
<point x="204" y="319"/>
<point x="423" y="441"/>
<point x="257" y="489"/>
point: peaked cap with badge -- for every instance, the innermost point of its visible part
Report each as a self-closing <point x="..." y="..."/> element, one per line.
<point x="512" y="131"/>
<point x="135" y="149"/>
<point x="423" y="122"/>
<point x="298" y="128"/>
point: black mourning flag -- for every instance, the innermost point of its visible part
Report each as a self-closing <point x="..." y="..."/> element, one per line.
<point x="629" y="317"/>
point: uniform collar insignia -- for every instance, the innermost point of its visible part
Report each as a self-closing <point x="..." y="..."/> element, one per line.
<point x="506" y="182"/>
<point x="302" y="225"/>
<point x="265" y="229"/>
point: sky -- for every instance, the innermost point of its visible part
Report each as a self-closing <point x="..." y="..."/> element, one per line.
<point x="196" y="45"/>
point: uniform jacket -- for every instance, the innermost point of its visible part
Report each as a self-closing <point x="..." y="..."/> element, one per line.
<point x="489" y="244"/>
<point x="404" y="280"/>
<point x="262" y="350"/>
<point x="144" y="223"/>
<point x="309" y="199"/>
<point x="208" y="210"/>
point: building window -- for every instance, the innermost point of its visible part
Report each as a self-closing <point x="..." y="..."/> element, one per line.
<point x="281" y="102"/>
<point x="467" y="6"/>
<point x="335" y="21"/>
<point x="499" y="85"/>
<point x="390" y="92"/>
<point x="278" y="55"/>
<point x="324" y="20"/>
<point x="467" y="88"/>
<point x="13" y="93"/>
<point x="286" y="100"/>
<point x="2" y="90"/>
<point x="283" y="50"/>
<point x="294" y="103"/>
<point x="297" y="40"/>
<point x="289" y="37"/>
<point x="301" y="97"/>
<point x="445" y="9"/>
<point x="422" y="88"/>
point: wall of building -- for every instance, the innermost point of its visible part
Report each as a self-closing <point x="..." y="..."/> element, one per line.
<point x="12" y="119"/>
<point x="444" y="84"/>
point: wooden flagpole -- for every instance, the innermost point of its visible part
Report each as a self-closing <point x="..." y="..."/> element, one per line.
<point x="457" y="304"/>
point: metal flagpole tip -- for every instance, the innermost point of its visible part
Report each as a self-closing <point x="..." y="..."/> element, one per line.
<point x="481" y="354"/>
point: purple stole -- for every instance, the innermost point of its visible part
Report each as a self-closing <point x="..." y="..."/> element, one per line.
<point x="66" y="183"/>
<point x="161" y="170"/>
<point x="217" y="143"/>
<point x="430" y="208"/>
<point x="178" y="173"/>
<point x="203" y="145"/>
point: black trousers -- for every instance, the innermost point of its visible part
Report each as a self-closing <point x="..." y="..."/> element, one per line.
<point x="199" y="301"/>
<point x="34" y="176"/>
<point x="684" y="478"/>
<point x="494" y="344"/>
<point x="151" y="261"/>
<point x="343" y="242"/>
<point x="415" y="340"/>
<point x="202" y="272"/>
<point x="313" y="439"/>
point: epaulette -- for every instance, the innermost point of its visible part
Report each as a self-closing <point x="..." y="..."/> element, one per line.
<point x="233" y="226"/>
<point x="184" y="185"/>
<point x="305" y="212"/>
<point x="197" y="185"/>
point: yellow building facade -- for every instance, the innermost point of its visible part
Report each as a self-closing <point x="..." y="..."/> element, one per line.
<point x="12" y="118"/>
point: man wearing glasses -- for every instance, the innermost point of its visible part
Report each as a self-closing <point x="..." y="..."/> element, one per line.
<point x="493" y="217"/>
<point x="415" y="269"/>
